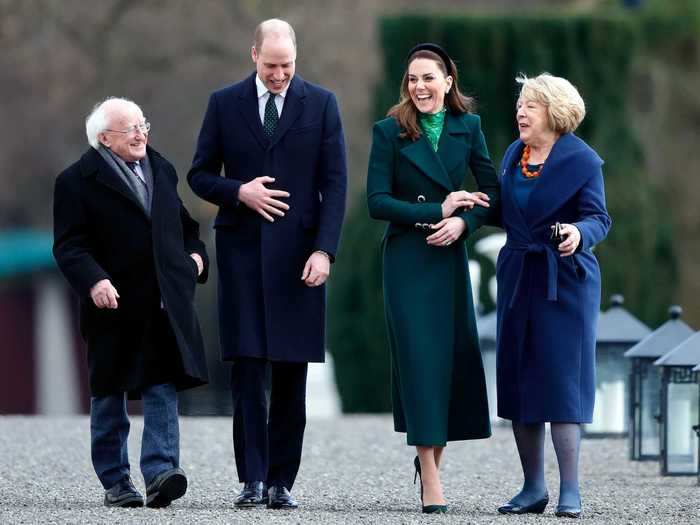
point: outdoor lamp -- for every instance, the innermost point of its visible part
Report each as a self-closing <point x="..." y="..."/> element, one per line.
<point x="486" y="327"/>
<point x="679" y="408"/>
<point x="618" y="331"/>
<point x="697" y="427"/>
<point x="645" y="384"/>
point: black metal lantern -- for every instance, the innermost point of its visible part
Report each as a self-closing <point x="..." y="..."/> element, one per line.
<point x="696" y="427"/>
<point x="618" y="331"/>
<point x="486" y="326"/>
<point x="645" y="384"/>
<point x="679" y="408"/>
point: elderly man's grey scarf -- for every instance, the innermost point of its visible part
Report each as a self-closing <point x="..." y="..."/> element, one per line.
<point x="124" y="172"/>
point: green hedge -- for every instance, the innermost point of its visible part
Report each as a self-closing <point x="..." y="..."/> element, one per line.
<point x="595" y="52"/>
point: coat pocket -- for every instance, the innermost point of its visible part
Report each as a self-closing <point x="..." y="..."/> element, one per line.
<point x="193" y="266"/>
<point x="304" y="129"/>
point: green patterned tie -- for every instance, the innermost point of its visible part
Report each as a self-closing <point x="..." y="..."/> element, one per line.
<point x="271" y="116"/>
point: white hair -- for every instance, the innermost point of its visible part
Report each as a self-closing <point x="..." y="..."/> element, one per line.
<point x="98" y="119"/>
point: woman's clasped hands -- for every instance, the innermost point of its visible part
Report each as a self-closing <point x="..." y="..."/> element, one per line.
<point x="449" y="229"/>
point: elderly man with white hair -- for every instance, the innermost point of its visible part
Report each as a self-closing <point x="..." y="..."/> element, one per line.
<point x="131" y="252"/>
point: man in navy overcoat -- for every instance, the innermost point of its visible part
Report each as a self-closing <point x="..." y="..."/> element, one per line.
<point x="281" y="205"/>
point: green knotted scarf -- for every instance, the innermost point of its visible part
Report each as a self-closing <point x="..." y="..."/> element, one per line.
<point x="431" y="124"/>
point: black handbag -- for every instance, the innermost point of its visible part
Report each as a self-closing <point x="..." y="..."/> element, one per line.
<point x="556" y="237"/>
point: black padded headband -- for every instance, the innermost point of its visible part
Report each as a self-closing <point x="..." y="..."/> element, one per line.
<point x="439" y="51"/>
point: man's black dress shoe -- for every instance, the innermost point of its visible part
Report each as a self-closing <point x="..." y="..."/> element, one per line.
<point x="251" y="495"/>
<point x="123" y="494"/>
<point x="167" y="486"/>
<point x="280" y="498"/>
<point x="534" y="508"/>
<point x="567" y="511"/>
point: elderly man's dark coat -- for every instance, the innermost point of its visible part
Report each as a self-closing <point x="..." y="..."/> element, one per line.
<point x="101" y="231"/>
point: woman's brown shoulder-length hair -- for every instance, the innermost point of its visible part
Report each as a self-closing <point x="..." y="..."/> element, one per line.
<point x="406" y="113"/>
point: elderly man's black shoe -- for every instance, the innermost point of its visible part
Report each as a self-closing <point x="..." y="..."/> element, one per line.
<point x="534" y="508"/>
<point x="166" y="487"/>
<point x="253" y="494"/>
<point x="280" y="498"/>
<point x="123" y="494"/>
<point x="567" y="511"/>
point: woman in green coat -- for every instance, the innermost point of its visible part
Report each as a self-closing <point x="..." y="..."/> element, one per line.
<point x="418" y="163"/>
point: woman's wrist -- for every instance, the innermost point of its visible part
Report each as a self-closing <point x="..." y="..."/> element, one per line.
<point x="445" y="211"/>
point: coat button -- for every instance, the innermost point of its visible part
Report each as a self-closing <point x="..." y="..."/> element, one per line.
<point x="421" y="198"/>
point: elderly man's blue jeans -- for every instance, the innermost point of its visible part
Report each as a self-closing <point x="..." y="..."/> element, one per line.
<point x="109" y="430"/>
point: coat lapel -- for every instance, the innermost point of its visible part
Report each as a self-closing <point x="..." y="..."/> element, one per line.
<point x="513" y="153"/>
<point x="453" y="147"/>
<point x="251" y="114"/>
<point x="437" y="166"/>
<point x="94" y="164"/>
<point x="292" y="109"/>
<point x="156" y="162"/>
<point x="560" y="179"/>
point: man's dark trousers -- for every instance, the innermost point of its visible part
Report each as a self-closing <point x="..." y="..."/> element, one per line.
<point x="267" y="442"/>
<point x="109" y="429"/>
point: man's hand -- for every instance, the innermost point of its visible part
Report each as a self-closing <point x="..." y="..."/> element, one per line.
<point x="257" y="197"/>
<point x="316" y="269"/>
<point x="104" y="295"/>
<point x="198" y="260"/>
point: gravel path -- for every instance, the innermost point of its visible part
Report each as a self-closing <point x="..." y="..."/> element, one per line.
<point x="354" y="470"/>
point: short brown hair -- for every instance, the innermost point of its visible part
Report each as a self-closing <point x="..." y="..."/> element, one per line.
<point x="273" y="26"/>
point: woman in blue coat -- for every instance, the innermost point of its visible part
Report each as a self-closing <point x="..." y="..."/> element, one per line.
<point x="549" y="287"/>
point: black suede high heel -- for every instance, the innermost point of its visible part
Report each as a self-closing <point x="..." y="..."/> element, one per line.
<point x="426" y="509"/>
<point x="416" y="463"/>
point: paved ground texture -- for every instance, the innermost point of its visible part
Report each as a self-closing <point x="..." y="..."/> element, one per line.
<point x="354" y="470"/>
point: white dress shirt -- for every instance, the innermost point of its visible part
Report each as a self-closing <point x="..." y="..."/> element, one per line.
<point x="264" y="94"/>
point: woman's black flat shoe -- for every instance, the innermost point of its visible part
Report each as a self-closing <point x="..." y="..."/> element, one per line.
<point x="534" y="508"/>
<point x="567" y="511"/>
<point x="434" y="509"/>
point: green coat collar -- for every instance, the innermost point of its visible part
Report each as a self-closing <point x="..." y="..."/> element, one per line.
<point x="452" y="150"/>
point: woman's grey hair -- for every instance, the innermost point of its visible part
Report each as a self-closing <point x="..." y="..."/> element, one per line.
<point x="98" y="119"/>
<point x="565" y="107"/>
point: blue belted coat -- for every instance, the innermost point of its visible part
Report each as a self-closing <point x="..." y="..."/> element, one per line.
<point x="548" y="305"/>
